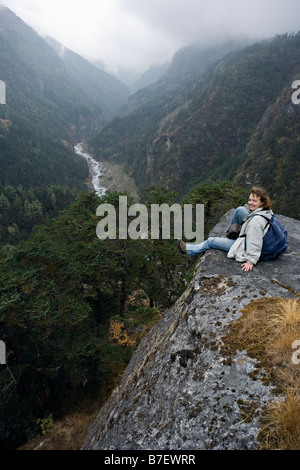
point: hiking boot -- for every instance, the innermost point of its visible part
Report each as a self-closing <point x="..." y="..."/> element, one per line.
<point x="181" y="246"/>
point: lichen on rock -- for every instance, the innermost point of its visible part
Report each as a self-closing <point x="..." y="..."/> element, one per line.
<point x="180" y="390"/>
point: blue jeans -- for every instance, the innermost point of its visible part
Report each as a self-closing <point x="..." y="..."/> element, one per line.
<point x="217" y="243"/>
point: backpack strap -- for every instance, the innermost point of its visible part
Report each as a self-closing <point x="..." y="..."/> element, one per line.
<point x="268" y="223"/>
<point x="266" y="218"/>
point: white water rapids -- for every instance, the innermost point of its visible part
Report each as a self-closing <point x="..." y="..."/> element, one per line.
<point x="95" y="168"/>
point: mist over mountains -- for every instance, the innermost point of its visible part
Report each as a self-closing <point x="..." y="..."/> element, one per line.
<point x="53" y="101"/>
<point x="202" y="118"/>
<point x="208" y="125"/>
<point x="232" y="118"/>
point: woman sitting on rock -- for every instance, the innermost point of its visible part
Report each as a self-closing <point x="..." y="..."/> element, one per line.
<point x="254" y="228"/>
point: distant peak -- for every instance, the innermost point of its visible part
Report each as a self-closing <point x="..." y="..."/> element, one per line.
<point x="9" y="21"/>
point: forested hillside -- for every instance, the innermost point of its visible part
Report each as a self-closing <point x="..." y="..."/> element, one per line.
<point x="46" y="113"/>
<point x="272" y="155"/>
<point x="73" y="308"/>
<point x="210" y="128"/>
<point x="187" y="66"/>
<point x="102" y="88"/>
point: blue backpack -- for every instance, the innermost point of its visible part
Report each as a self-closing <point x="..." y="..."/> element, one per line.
<point x="275" y="242"/>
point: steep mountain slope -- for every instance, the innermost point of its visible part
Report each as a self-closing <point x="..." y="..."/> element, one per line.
<point x="39" y="88"/>
<point x="102" y="88"/>
<point x="43" y="108"/>
<point x="272" y="156"/>
<point x="200" y="131"/>
<point x="49" y="107"/>
<point x="187" y="65"/>
<point x="150" y="76"/>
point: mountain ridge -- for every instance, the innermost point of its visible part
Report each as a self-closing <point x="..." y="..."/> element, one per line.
<point x="49" y="108"/>
<point x="103" y="88"/>
<point x="217" y="118"/>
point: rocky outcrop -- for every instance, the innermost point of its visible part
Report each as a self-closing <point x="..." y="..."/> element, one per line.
<point x="179" y="390"/>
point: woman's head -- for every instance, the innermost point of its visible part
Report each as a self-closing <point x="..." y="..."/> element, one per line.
<point x="261" y="196"/>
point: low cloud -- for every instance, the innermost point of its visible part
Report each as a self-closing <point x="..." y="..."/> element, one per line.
<point x="135" y="34"/>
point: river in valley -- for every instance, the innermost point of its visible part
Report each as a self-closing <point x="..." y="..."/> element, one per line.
<point x="95" y="168"/>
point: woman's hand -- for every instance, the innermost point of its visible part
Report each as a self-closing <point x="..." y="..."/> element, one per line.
<point x="247" y="266"/>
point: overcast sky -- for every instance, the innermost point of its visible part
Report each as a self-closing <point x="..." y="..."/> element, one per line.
<point x="138" y="33"/>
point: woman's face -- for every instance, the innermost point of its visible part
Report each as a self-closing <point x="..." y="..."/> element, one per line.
<point x="254" y="202"/>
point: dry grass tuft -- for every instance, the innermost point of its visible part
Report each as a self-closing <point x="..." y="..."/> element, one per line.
<point x="267" y="329"/>
<point x="281" y="424"/>
<point x="68" y="434"/>
<point x="286" y="317"/>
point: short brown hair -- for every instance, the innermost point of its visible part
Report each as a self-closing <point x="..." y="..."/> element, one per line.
<point x="263" y="195"/>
